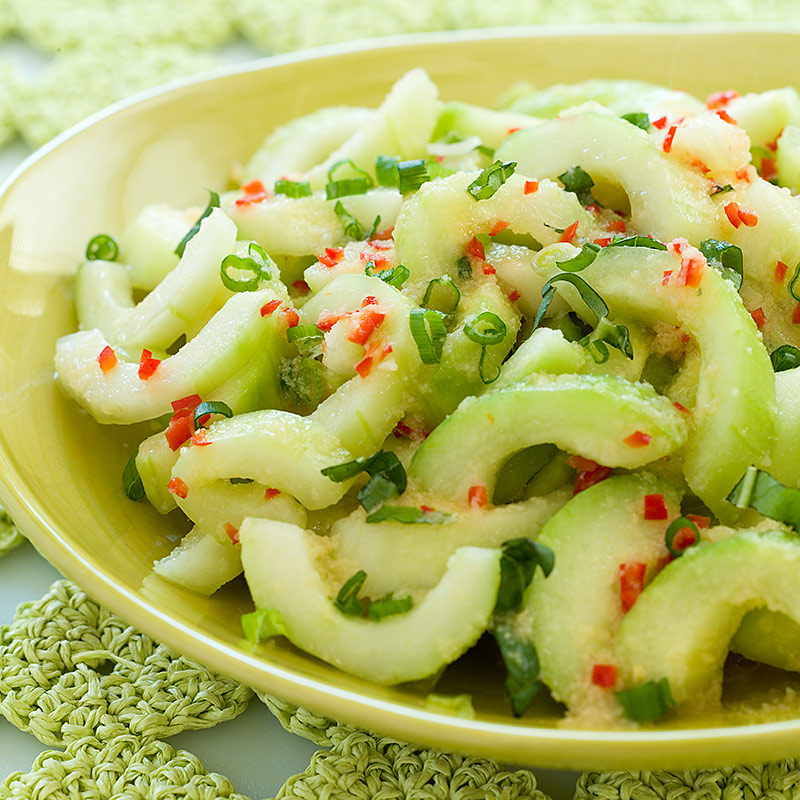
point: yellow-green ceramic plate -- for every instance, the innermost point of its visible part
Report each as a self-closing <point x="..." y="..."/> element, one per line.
<point x="61" y="471"/>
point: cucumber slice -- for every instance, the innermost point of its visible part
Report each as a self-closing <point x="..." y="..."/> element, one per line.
<point x="305" y="141"/>
<point x="279" y="564"/>
<point x="787" y="159"/>
<point x="587" y="414"/>
<point x="103" y="296"/>
<point x="576" y="610"/>
<point x="667" y="197"/>
<point x="154" y="462"/>
<point x="682" y="623"/>
<point x="355" y="258"/>
<point x="491" y="127"/>
<point x="765" y="114"/>
<point x="513" y="264"/>
<point x="783" y="463"/>
<point x="545" y="350"/>
<point x="769" y="637"/>
<point x="275" y="448"/>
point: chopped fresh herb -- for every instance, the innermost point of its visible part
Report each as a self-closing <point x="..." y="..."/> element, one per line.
<point x="352" y="227"/>
<point x="234" y="481"/>
<point x="375" y="492"/>
<point x="517" y="565"/>
<point x="213" y="202"/>
<point x="464" y="268"/>
<point x="721" y="189"/>
<point x="638" y="241"/>
<point x="428" y="331"/>
<point x="522" y="667"/>
<point x="102" y="248"/>
<point x="442" y="295"/>
<point x="647" y="702"/>
<point x="484" y="150"/>
<point x="388" y="606"/>
<point x="787" y="356"/>
<point x="302" y="377"/>
<point x="293" y="189"/>
<point x="759" y="490"/>
<point x="675" y="527"/>
<point x="793" y="282"/>
<point x="374" y="229"/>
<point x="346" y="187"/>
<point x="725" y="257"/>
<point x="386" y="171"/>
<point x="211" y="407"/>
<point x="383" y="463"/>
<point x="639" y="119"/>
<point x="491" y="179"/>
<point x="346" y="162"/>
<point x="579" y="182"/>
<point x="263" y="623"/>
<point x="396" y="276"/>
<point x="131" y="482"/>
<point x="347" y="599"/>
<point x="411" y="175"/>
<point x="409" y="515"/>
<point x="258" y="265"/>
<point x="586" y="256"/>
<point x="485" y="329"/>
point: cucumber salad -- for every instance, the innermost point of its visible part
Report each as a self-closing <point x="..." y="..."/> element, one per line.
<point x="434" y="373"/>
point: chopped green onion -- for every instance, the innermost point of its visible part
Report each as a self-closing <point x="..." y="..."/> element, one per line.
<point x="246" y="264"/>
<point x="383" y="463"/>
<point x="442" y="295"/>
<point x="102" y="248"/>
<point x="517" y="565"/>
<point x="409" y="515"/>
<point x="352" y="227"/>
<point x="787" y="356"/>
<point x="586" y="256"/>
<point x="579" y="182"/>
<point x="639" y="119"/>
<point x="396" y="276"/>
<point x="302" y="377"/>
<point x="386" y="170"/>
<point x="481" y="369"/>
<point x="491" y="179"/>
<point x="792" y="283"/>
<point x="428" y="331"/>
<point x="347" y="600"/>
<point x="721" y="189"/>
<point x="375" y="492"/>
<point x="411" y="175"/>
<point x="597" y="349"/>
<point x="293" y="189"/>
<point x="725" y="257"/>
<point x="374" y="229"/>
<point x="647" y="702"/>
<point x="131" y="481"/>
<point x="522" y="667"/>
<point x="759" y="490"/>
<point x="211" y="407"/>
<point x="348" y="162"/>
<point x="464" y="268"/>
<point x="672" y="531"/>
<point x="346" y="187"/>
<point x="485" y="329"/>
<point x="213" y="202"/>
<point x="638" y="241"/>
<point x="303" y="332"/>
<point x="263" y="623"/>
<point x="234" y="481"/>
<point x="388" y="606"/>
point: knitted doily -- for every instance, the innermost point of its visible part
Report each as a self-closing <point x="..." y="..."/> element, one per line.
<point x="69" y="666"/>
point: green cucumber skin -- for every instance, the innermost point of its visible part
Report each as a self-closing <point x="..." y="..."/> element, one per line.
<point x="545" y="350"/>
<point x="279" y="563"/>
<point x="782" y="462"/>
<point x="469" y="447"/>
<point x="682" y="623"/>
<point x="576" y="610"/>
<point x="787" y="159"/>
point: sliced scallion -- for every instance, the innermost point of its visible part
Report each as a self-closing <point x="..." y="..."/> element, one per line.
<point x="442" y="295"/>
<point x="131" y="481"/>
<point x="102" y="247"/>
<point x="429" y="332"/>
<point x="793" y="282"/>
<point x="787" y="356"/>
<point x="386" y="170"/>
<point x="411" y="175"/>
<point x="347" y="599"/>
<point x="245" y="264"/>
<point x="388" y="606"/>
<point x="491" y="179"/>
<point x="586" y="256"/>
<point x="211" y="407"/>
<point x="485" y="329"/>
<point x="648" y="701"/>
<point x="213" y="202"/>
<point x="352" y="227"/>
<point x="293" y="189"/>
<point x="396" y="276"/>
<point x="346" y="162"/>
<point x="675" y="527"/>
<point x="346" y="187"/>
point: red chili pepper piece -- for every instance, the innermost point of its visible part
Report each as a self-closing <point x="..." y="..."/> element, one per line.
<point x="667" y="145"/>
<point x="732" y="213"/>
<point x="478" y="497"/>
<point x="291" y="316"/>
<point x="631" y="582"/>
<point x="414" y="434"/>
<point x="699" y="520"/>
<point x="582" y="464"/>
<point x="488" y="269"/>
<point x="769" y="169"/>
<point x="364" y="367"/>
<point x="725" y="116"/>
<point x="427" y="509"/>
<point x="655" y="507"/>
<point x="270" y="493"/>
<point x="369" y="300"/>
<point x="660" y="123"/>
<point x="107" y="359"/>
<point x="748" y="218"/>
<point x="569" y="232"/>
<point x="684" y="538"/>
<point x="254" y="192"/>
<point x="147" y="365"/>
<point x="590" y="478"/>
<point x="638" y="439"/>
<point x="331" y="257"/>
<point x="604" y="241"/>
<point x="682" y="408"/>
<point x="269" y="308"/>
<point x="364" y="326"/>
<point x="232" y="531"/>
<point x="780" y="271"/>
<point x="531" y="187"/>
<point x="200" y="438"/>
<point x="177" y="487"/>
<point x="190" y="401"/>
<point x="301" y="287"/>
<point x="382" y="236"/>
<point x="796" y="315"/>
<point x="180" y="428"/>
<point x="513" y="130"/>
<point x="476" y="250"/>
<point x="498" y="227"/>
<point x="327" y="321"/>
<point x="720" y="99"/>
<point x="514" y="295"/>
<point x="604" y="675"/>
<point x="759" y="317"/>
<point x="616" y="226"/>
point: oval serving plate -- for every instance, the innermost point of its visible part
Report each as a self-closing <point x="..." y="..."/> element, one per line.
<point x="61" y="471"/>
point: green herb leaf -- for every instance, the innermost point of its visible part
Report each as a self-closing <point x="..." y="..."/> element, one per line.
<point x="211" y="407"/>
<point x="586" y="256"/>
<point x="647" y="702"/>
<point x="638" y="241"/>
<point x="442" y="295"/>
<point x="396" y="276"/>
<point x="102" y="248"/>
<point x="263" y="623"/>
<point x="785" y="357"/>
<point x="491" y="179"/>
<point x="383" y="463"/>
<point x="352" y="227"/>
<point x="522" y="667"/>
<point x="293" y="189"/>
<point x="411" y="175"/>
<point x="725" y="257"/>
<point x="674" y="528"/>
<point x="213" y="202"/>
<point x="386" y="170"/>
<point x="517" y="565"/>
<point x="388" y="606"/>
<point x="721" y="189"/>
<point x="464" y="268"/>
<point x="793" y="282"/>
<point x="409" y="515"/>
<point x="639" y="119"/>
<point x="346" y="187"/>
<point x="579" y="182"/>
<point x="347" y="600"/>
<point x="375" y="492"/>
<point x="429" y="332"/>
<point x="485" y="329"/>
<point x="131" y="482"/>
<point x="759" y="490"/>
